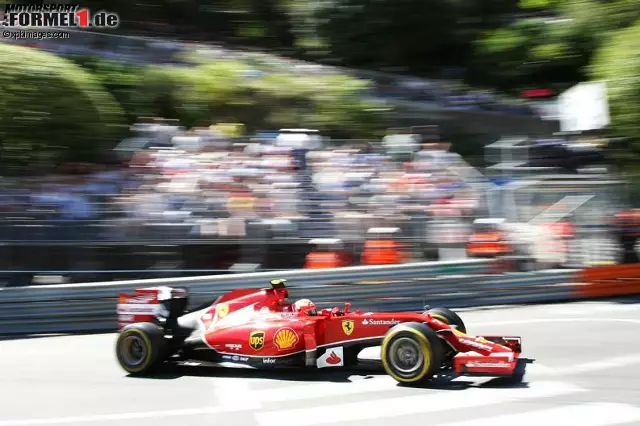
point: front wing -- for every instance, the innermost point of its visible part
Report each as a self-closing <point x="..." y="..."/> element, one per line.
<point x="495" y="364"/>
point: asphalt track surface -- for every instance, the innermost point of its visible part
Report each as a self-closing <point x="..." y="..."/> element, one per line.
<point x="586" y="373"/>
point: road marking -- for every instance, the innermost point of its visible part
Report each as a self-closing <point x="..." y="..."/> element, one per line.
<point x="617" y="308"/>
<point x="602" y="365"/>
<point x="592" y="414"/>
<point x="326" y="390"/>
<point x="590" y="308"/>
<point x="426" y="403"/>
<point x="235" y="394"/>
<point x="553" y="320"/>
<point x="119" y="417"/>
<point x="587" y="367"/>
<point x="536" y="369"/>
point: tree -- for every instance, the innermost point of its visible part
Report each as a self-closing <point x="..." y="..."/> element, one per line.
<point x="529" y="53"/>
<point x="548" y="43"/>
<point x="232" y="91"/>
<point x="52" y="111"/>
<point x="618" y="64"/>
<point x="390" y="33"/>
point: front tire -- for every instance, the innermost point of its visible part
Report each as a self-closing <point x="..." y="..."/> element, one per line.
<point x="449" y="317"/>
<point x="141" y="348"/>
<point x="411" y="353"/>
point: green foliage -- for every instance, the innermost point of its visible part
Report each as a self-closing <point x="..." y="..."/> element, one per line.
<point x="598" y="19"/>
<point x="618" y="64"/>
<point x="537" y="4"/>
<point x="51" y="110"/>
<point x="224" y="91"/>
<point x="414" y="33"/>
<point x="507" y="44"/>
<point x="533" y="52"/>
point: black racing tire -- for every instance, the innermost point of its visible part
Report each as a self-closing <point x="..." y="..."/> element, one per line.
<point x="448" y="316"/>
<point x="412" y="353"/>
<point x="141" y="348"/>
<point x="451" y="318"/>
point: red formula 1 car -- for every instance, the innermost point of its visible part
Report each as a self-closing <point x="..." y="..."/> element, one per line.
<point x="259" y="328"/>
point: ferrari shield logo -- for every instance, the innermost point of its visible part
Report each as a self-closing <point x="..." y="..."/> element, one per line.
<point x="223" y="310"/>
<point x="347" y="327"/>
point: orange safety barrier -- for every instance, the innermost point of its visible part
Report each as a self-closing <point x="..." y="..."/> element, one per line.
<point x="326" y="260"/>
<point x="607" y="281"/>
<point x="382" y="252"/>
<point x="487" y="244"/>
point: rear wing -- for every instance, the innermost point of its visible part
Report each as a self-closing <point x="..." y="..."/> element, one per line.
<point x="147" y="304"/>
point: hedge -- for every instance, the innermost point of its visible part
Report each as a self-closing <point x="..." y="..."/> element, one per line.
<point x="54" y="110"/>
<point x="51" y="110"/>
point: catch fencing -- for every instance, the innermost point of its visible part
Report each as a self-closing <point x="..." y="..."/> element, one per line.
<point x="409" y="287"/>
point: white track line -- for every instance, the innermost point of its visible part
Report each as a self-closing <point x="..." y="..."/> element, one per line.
<point x="591" y="414"/>
<point x="538" y="370"/>
<point x="554" y="320"/>
<point x="330" y="413"/>
<point x="587" y="309"/>
<point x="326" y="390"/>
<point x="235" y="394"/>
<point x="118" y="417"/>
<point x="426" y="403"/>
<point x="605" y="364"/>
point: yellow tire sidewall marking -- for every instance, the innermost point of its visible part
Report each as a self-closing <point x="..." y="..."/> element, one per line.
<point x="425" y="346"/>
<point x="444" y="320"/>
<point x="440" y="318"/>
<point x="143" y="335"/>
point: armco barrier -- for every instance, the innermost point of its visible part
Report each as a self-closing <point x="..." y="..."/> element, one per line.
<point x="91" y="307"/>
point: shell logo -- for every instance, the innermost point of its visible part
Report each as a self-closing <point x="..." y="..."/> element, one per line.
<point x="285" y="338"/>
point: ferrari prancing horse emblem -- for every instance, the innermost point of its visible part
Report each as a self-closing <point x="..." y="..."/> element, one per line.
<point x="347" y="327"/>
<point x="223" y="310"/>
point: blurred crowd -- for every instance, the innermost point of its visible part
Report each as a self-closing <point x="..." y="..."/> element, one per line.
<point x="438" y="93"/>
<point x="201" y="185"/>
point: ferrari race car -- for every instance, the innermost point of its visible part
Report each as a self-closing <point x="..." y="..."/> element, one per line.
<point x="260" y="328"/>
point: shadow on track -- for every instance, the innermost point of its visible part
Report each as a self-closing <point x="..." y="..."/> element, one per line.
<point x="177" y="371"/>
<point x="367" y="371"/>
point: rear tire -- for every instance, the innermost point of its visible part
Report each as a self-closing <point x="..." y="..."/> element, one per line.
<point x="141" y="348"/>
<point x="412" y="353"/>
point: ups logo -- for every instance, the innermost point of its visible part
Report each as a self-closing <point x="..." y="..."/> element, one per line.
<point x="256" y="340"/>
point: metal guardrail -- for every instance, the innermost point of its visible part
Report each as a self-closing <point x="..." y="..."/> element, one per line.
<point x="91" y="307"/>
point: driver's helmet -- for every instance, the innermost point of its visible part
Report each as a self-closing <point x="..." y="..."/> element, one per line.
<point x="280" y="290"/>
<point x="306" y="306"/>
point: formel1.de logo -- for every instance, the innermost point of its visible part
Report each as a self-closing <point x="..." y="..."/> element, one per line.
<point x="56" y="16"/>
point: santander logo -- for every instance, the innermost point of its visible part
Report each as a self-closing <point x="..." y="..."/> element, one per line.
<point x="333" y="359"/>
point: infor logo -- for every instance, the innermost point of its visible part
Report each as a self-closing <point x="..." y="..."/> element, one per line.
<point x="56" y="16"/>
